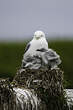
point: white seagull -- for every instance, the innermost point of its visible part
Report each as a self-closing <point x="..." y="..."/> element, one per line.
<point x="37" y="54"/>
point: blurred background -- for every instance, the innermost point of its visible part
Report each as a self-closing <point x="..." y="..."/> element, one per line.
<point x="19" y="19"/>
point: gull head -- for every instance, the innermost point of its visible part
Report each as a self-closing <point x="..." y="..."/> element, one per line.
<point x="38" y="35"/>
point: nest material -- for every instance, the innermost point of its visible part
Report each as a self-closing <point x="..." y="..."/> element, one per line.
<point x="46" y="84"/>
<point x="51" y="80"/>
<point x="7" y="100"/>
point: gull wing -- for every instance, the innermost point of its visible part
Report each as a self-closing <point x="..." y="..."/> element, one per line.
<point x="41" y="50"/>
<point x="27" y="47"/>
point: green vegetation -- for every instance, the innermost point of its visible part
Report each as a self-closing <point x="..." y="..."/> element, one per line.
<point x="11" y="55"/>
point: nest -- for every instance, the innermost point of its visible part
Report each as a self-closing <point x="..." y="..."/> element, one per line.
<point x="47" y="84"/>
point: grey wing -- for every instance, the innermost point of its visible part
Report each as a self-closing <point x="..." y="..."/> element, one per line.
<point x="41" y="50"/>
<point x="27" y="47"/>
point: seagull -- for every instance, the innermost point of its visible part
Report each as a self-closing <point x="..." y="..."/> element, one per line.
<point x="38" y="55"/>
